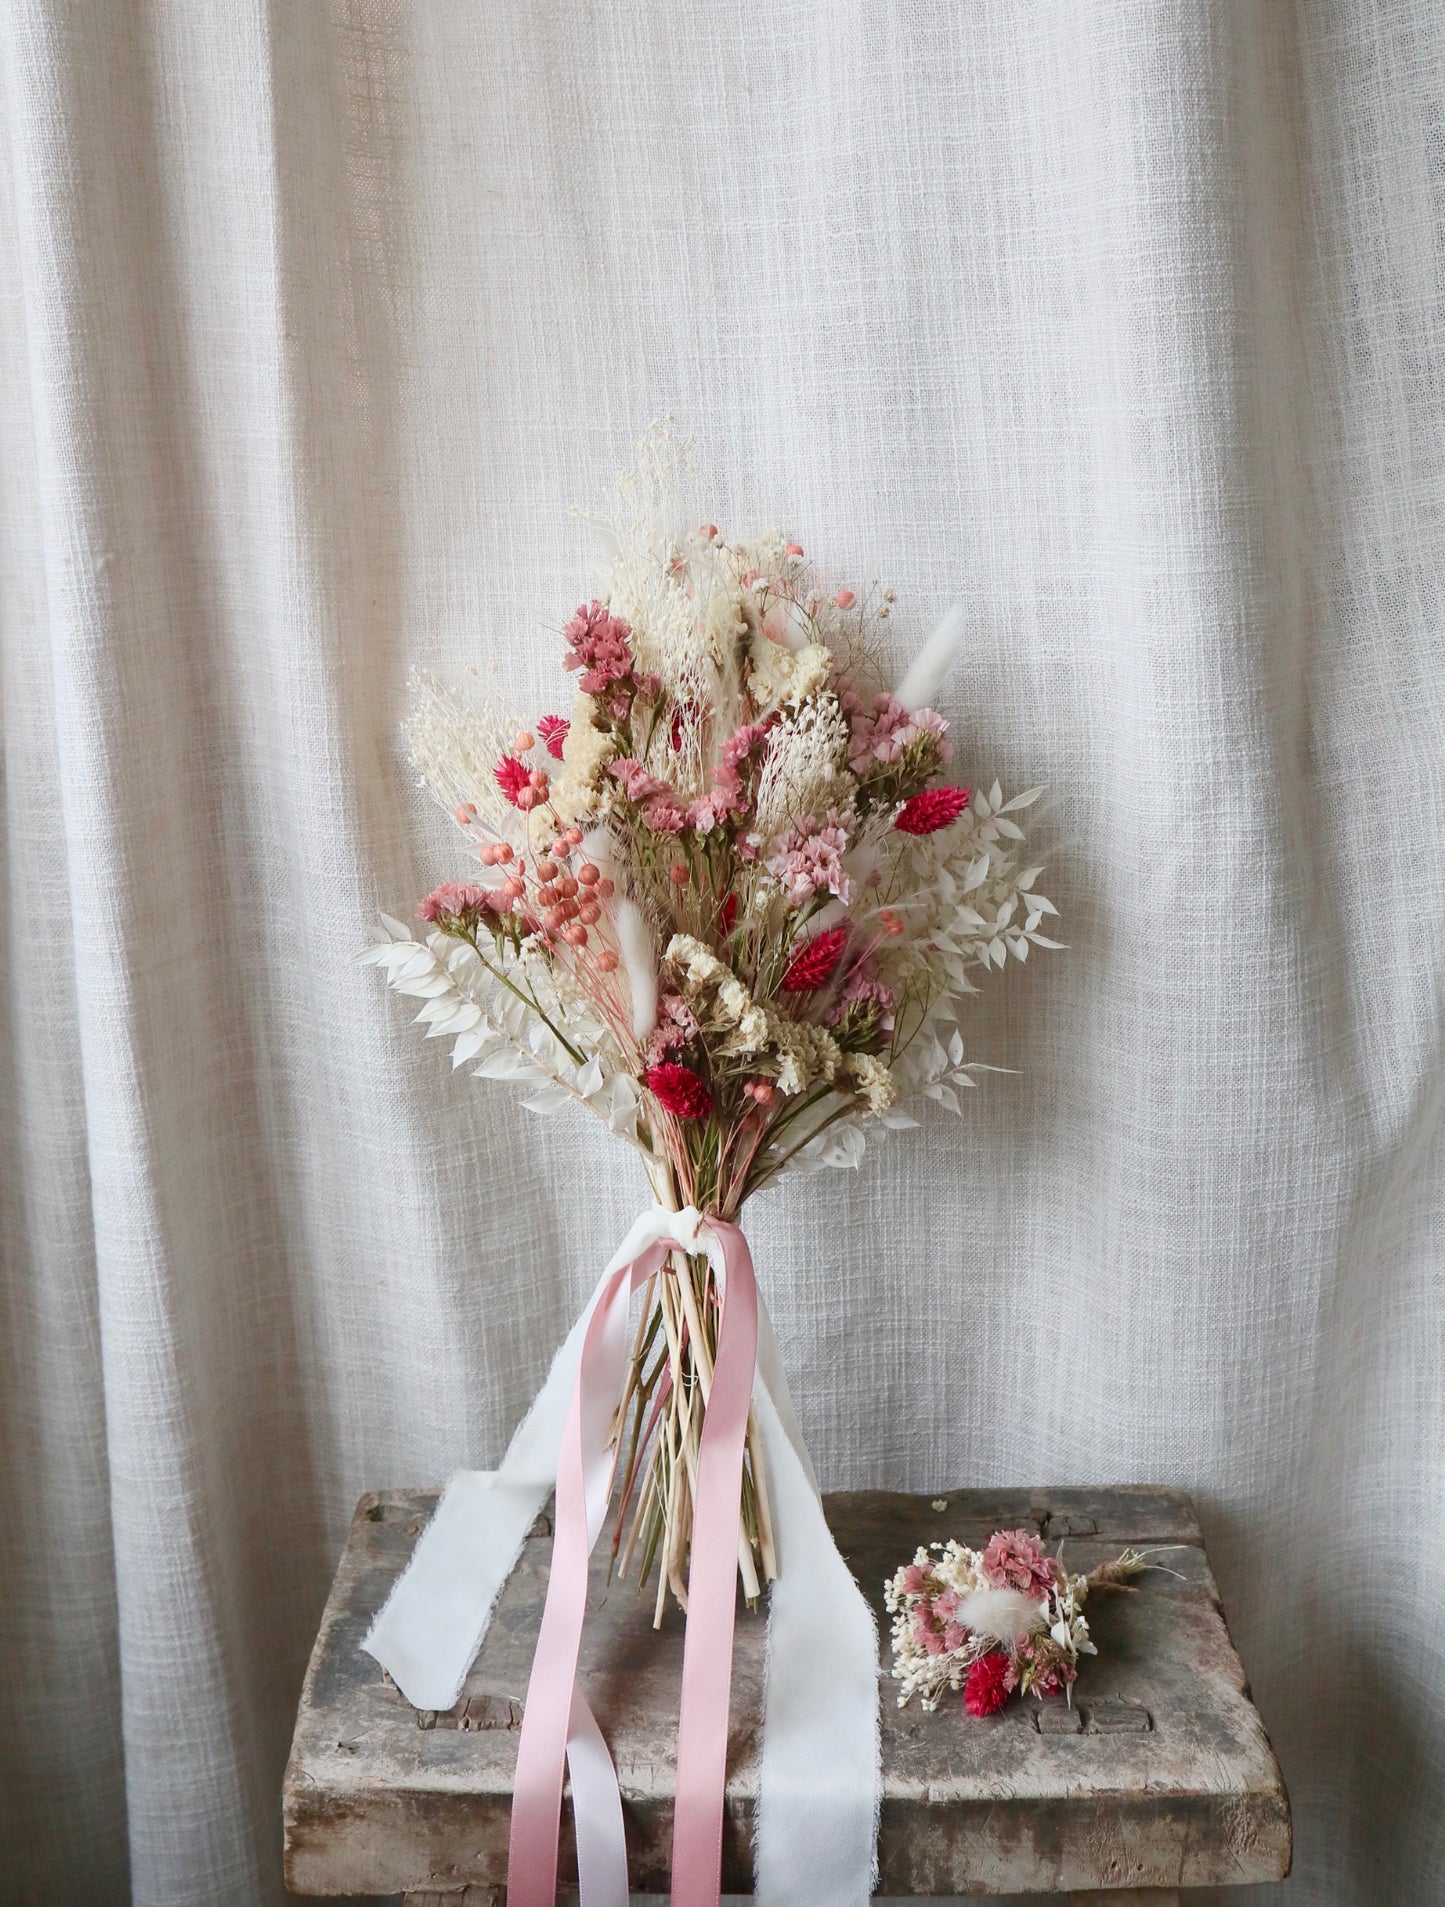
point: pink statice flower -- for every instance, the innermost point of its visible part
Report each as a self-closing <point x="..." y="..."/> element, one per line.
<point x="676" y="1027"/>
<point x="808" y="860"/>
<point x="1013" y="1559"/>
<point x="666" y="815"/>
<point x="864" y="997"/>
<point x="655" y="799"/>
<point x="597" y="643"/>
<point x="728" y="796"/>
<point x="455" y="901"/>
<point x="881" y="730"/>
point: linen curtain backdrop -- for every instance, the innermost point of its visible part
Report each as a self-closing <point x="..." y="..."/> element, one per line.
<point x="1119" y="323"/>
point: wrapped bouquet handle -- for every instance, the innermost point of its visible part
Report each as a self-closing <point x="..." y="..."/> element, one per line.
<point x="816" y="1836"/>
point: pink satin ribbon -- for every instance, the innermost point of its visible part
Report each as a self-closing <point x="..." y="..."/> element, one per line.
<point x="557" y="1724"/>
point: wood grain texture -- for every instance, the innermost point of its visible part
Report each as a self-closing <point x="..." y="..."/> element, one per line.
<point x="1161" y="1776"/>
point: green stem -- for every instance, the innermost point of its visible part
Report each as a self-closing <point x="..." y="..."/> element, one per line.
<point x="528" y="998"/>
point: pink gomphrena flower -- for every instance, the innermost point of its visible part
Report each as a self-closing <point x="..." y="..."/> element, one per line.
<point x="466" y="813"/>
<point x="554" y="730"/>
<point x="930" y="810"/>
<point x="547" y="870"/>
<point x="589" y="875"/>
<point x="522" y="741"/>
<point x="762" y="1090"/>
<point x="678" y="874"/>
<point x="608" y="961"/>
<point x="795" y="549"/>
<point x="845" y="599"/>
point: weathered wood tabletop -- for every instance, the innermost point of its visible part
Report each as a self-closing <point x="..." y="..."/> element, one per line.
<point x="1159" y="1777"/>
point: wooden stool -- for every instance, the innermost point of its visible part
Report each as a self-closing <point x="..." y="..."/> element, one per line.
<point x="1159" y="1777"/>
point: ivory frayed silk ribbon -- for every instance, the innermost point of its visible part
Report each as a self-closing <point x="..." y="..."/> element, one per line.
<point x="817" y="1813"/>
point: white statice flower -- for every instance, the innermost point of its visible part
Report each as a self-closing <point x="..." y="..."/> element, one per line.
<point x="697" y="965"/>
<point x="871" y="1080"/>
<point x="723" y="1005"/>
<point x="808" y="1055"/>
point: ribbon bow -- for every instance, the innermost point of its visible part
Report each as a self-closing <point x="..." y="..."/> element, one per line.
<point x="818" y="1777"/>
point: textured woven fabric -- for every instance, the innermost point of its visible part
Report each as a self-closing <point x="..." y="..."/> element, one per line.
<point x="1120" y="323"/>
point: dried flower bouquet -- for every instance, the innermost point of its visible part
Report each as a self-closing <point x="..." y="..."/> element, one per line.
<point x="731" y="903"/>
<point x="993" y="1622"/>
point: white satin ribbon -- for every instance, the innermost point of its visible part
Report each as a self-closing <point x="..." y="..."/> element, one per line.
<point x="819" y="1779"/>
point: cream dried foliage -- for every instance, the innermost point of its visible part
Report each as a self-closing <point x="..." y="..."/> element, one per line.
<point x="805" y="771"/>
<point x="455" y="746"/>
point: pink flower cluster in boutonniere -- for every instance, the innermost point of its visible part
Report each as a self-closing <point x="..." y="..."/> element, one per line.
<point x="1003" y="1620"/>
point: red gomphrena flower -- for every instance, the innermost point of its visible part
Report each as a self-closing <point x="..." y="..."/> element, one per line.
<point x="553" y="731"/>
<point x="932" y="809"/>
<point x="512" y="778"/>
<point x="812" y="964"/>
<point x="678" y="1090"/>
<point x="985" y="1688"/>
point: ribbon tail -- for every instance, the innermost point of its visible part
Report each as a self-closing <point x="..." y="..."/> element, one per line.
<point x="712" y="1587"/>
<point x="430" y="1628"/>
<point x="819" y="1782"/>
<point x="553" y="1723"/>
<point x="596" y="1812"/>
